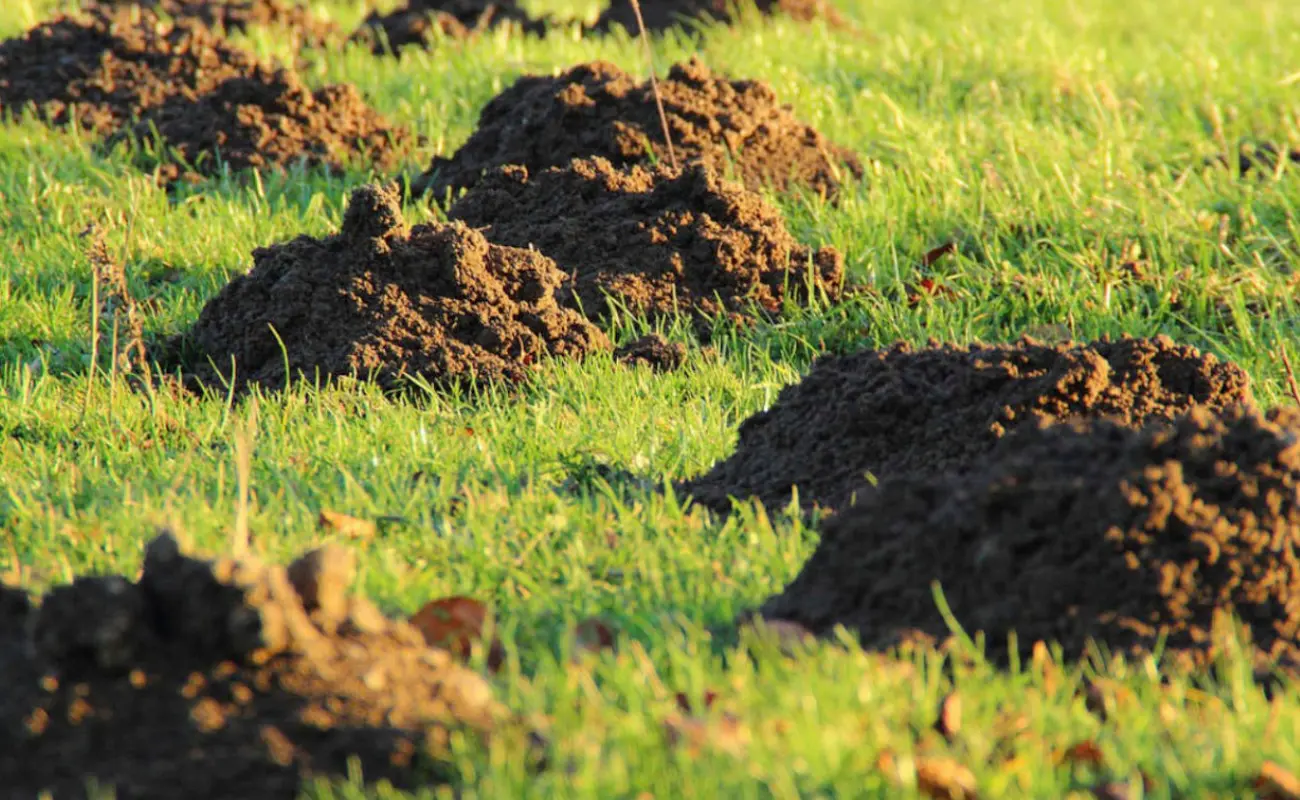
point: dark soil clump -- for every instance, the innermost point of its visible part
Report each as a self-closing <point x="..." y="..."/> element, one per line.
<point x="229" y="678"/>
<point x="390" y="301"/>
<point x="1071" y="532"/>
<point x="103" y="68"/>
<point x="662" y="15"/>
<point x="658" y="242"/>
<point x="597" y="110"/>
<point x="241" y="15"/>
<point x="419" y="22"/>
<point x="653" y="351"/>
<point x="904" y="412"/>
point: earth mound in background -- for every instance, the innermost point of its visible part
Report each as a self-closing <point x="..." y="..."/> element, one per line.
<point x="104" y="68"/>
<point x="900" y="411"/>
<point x="663" y="15"/>
<point x="419" y="22"/>
<point x="383" y="299"/>
<point x="597" y="110"/>
<point x="658" y="242"/>
<point x="225" y="678"/>
<point x="653" y="351"/>
<point x="1079" y="531"/>
<point x="241" y="15"/>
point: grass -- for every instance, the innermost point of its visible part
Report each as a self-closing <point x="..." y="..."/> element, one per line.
<point x="1046" y="139"/>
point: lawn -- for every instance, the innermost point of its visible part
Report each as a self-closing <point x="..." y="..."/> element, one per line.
<point x="1058" y="144"/>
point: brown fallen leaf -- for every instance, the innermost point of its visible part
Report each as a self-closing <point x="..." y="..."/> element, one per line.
<point x="945" y="779"/>
<point x="1275" y="782"/>
<point x="936" y="253"/>
<point x="455" y="624"/>
<point x="725" y="734"/>
<point x="948" y="724"/>
<point x="348" y="527"/>
<point x="1086" y="752"/>
<point x="593" y="635"/>
<point x="684" y="702"/>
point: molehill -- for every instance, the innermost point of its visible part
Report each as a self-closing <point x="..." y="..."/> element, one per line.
<point x="241" y="15"/>
<point x="907" y="412"/>
<point x="596" y="109"/>
<point x="1080" y="531"/>
<point x="419" y="22"/>
<point x="662" y="15"/>
<point x="383" y="299"/>
<point x="225" y="678"/>
<point x="656" y="241"/>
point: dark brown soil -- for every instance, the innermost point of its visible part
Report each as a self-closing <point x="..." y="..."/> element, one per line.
<point x="384" y="299"/>
<point x="104" y="68"/>
<point x="229" y="678"/>
<point x="419" y="22"/>
<point x="1089" y="530"/>
<point x="597" y="109"/>
<point x="241" y="15"/>
<point x="656" y="241"/>
<point x="653" y="351"/>
<point x="267" y="119"/>
<point x="904" y="412"/>
<point x="661" y="15"/>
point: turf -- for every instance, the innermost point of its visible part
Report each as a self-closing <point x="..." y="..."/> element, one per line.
<point x="1048" y="140"/>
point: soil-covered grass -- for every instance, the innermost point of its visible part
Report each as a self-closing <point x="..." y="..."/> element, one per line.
<point x="1031" y="167"/>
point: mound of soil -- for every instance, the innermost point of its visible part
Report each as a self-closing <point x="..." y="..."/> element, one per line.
<point x="226" y="678"/>
<point x="419" y="21"/>
<point x="661" y="15"/>
<point x="267" y="119"/>
<point x="240" y="15"/>
<point x="653" y="351"/>
<point x="383" y="299"/>
<point x="1070" y="532"/>
<point x="105" y="68"/>
<point x="655" y="240"/>
<point x="597" y="110"/>
<point x="900" y="411"/>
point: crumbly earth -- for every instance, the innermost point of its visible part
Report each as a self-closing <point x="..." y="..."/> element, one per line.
<point x="419" y="22"/>
<point x="241" y="15"/>
<point x="1076" y="532"/>
<point x="104" y="68"/>
<point x="383" y="299"/>
<point x="653" y="351"/>
<point x="661" y="15"/>
<point x="217" y="679"/>
<point x="907" y="412"/>
<point x="597" y="110"/>
<point x="658" y="242"/>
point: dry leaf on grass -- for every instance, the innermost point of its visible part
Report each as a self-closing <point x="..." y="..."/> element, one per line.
<point x="345" y="526"/>
<point x="1275" y="782"/>
<point x="455" y="624"/>
<point x="725" y="734"/>
<point x="948" y="724"/>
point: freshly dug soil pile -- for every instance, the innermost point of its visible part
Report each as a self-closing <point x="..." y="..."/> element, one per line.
<point x="653" y="351"/>
<point x="229" y="678"/>
<point x="1088" y="530"/>
<point x="105" y="68"/>
<point x="419" y="21"/>
<point x="382" y="298"/>
<point x="240" y="15"/>
<point x="267" y="119"/>
<point x="661" y="15"/>
<point x="597" y="109"/>
<point x="657" y="241"/>
<point x="903" y="412"/>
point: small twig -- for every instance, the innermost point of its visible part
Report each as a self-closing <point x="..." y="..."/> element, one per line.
<point x="1290" y="375"/>
<point x="244" y="433"/>
<point x="654" y="82"/>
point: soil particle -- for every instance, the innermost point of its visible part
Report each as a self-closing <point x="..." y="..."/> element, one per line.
<point x="104" y="68"/>
<point x="211" y="679"/>
<point x="658" y="242"/>
<point x="596" y="109"/>
<point x="662" y="15"/>
<point x="382" y="298"/>
<point x="653" y="351"/>
<point x="1078" y="531"/>
<point x="419" y="22"/>
<point x="900" y="411"/>
<point x="238" y="16"/>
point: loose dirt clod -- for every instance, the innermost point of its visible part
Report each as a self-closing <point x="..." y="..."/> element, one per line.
<point x="419" y="21"/>
<point x="597" y="109"/>
<point x="241" y="15"/>
<point x="657" y="241"/>
<point x="662" y="15"/>
<point x="1078" y="531"/>
<point x="220" y="679"/>
<point x="384" y="299"/>
<point x="653" y="351"/>
<point x="901" y="412"/>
